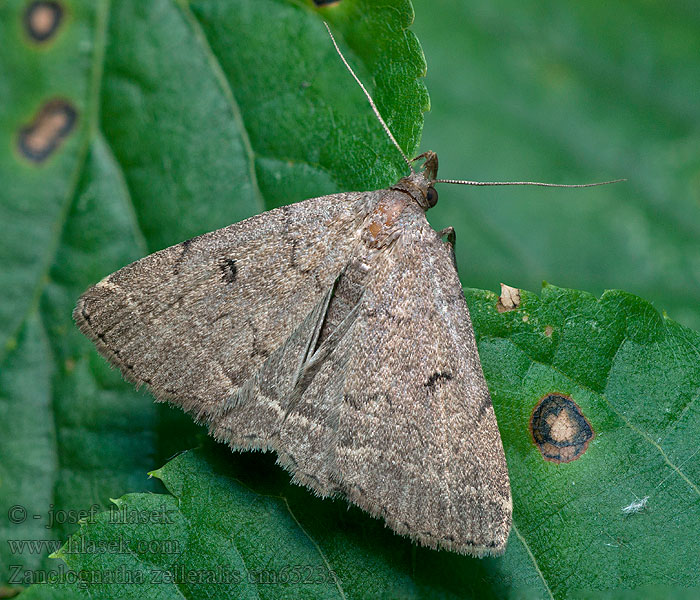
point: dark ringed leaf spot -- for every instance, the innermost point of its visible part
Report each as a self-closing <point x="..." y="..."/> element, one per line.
<point x="42" y="19"/>
<point x="54" y="122"/>
<point x="228" y="270"/>
<point x="559" y="429"/>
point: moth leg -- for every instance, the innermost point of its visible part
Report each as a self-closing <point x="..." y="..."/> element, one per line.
<point x="449" y="232"/>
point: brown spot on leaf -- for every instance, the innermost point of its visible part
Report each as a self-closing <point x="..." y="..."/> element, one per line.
<point x="326" y="2"/>
<point x="509" y="299"/>
<point x="42" y="19"/>
<point x="559" y="428"/>
<point x="549" y="330"/>
<point x="54" y="122"/>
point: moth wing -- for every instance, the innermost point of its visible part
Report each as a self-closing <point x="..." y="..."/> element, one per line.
<point x="292" y="403"/>
<point x="194" y="321"/>
<point x="388" y="406"/>
<point x="417" y="438"/>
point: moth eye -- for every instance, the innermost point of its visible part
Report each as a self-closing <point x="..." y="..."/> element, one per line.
<point x="432" y="196"/>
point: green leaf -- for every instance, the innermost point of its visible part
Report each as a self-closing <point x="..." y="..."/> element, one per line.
<point x="636" y="379"/>
<point x="195" y="554"/>
<point x="188" y="116"/>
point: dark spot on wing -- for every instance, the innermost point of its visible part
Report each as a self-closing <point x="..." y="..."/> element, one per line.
<point x="359" y="400"/>
<point x="185" y="249"/>
<point x="437" y="376"/>
<point x="229" y="271"/>
<point x="351" y="400"/>
<point x="187" y="244"/>
<point x="42" y="19"/>
<point x="54" y="122"/>
<point x="257" y="350"/>
<point x="559" y="428"/>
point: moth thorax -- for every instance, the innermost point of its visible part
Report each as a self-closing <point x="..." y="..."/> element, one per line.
<point x="380" y="224"/>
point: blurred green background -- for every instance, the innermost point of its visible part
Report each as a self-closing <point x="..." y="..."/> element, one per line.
<point x="570" y="92"/>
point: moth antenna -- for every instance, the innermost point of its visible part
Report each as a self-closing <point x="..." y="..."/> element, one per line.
<point x="371" y="102"/>
<point x="561" y="185"/>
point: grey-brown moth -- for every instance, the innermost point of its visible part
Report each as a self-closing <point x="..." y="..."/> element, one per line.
<point x="335" y="332"/>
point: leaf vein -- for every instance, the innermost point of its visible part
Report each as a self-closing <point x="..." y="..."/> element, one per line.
<point x="533" y="559"/>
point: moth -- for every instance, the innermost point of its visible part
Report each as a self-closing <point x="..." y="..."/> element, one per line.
<point x="334" y="332"/>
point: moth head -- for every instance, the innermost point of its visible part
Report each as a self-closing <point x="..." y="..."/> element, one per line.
<point x="419" y="185"/>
